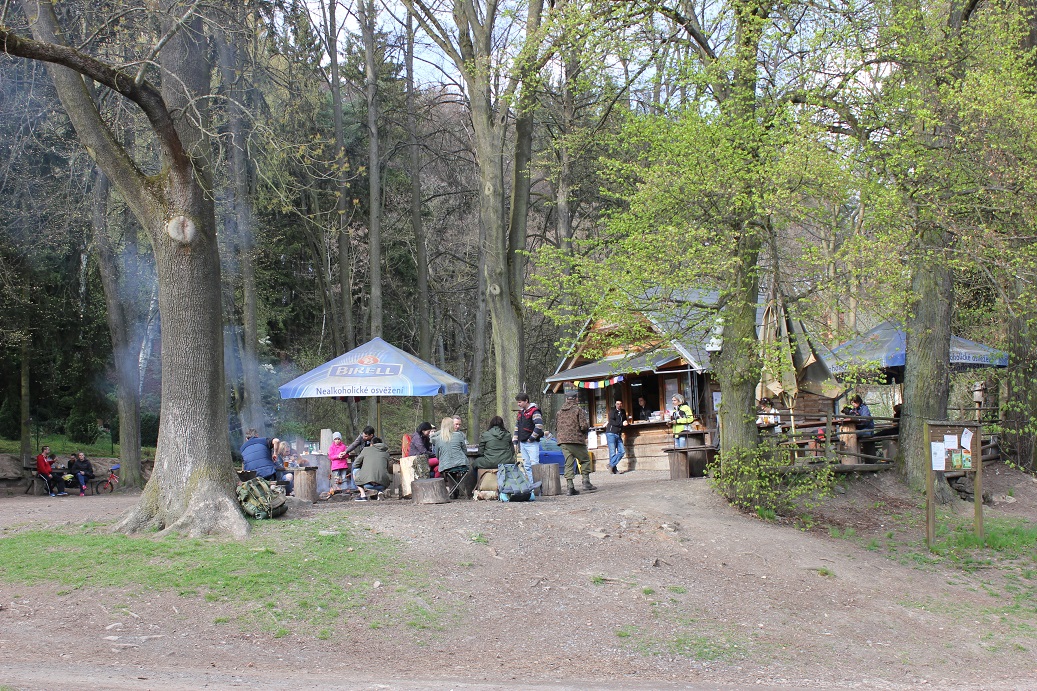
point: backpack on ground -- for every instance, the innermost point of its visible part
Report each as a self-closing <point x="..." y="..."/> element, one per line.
<point x="513" y="485"/>
<point x="259" y="500"/>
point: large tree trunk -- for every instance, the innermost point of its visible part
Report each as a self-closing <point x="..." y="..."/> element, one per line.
<point x="471" y="48"/>
<point x="417" y="227"/>
<point x="506" y="321"/>
<point x="25" y="447"/>
<point x="1020" y="409"/>
<point x="125" y="324"/>
<point x="738" y="364"/>
<point x="367" y="16"/>
<point x="343" y="335"/>
<point x="238" y="228"/>
<point x="926" y="368"/>
<point x="191" y="489"/>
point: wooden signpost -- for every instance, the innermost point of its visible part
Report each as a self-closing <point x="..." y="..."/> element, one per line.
<point x="952" y="445"/>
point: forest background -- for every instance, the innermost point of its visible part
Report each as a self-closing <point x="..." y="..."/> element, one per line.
<point x="473" y="182"/>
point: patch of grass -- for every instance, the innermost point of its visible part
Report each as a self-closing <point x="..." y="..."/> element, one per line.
<point x="679" y="590"/>
<point x="826" y="572"/>
<point x="766" y="514"/>
<point x="846" y="534"/>
<point x="480" y="539"/>
<point x="873" y="545"/>
<point x="701" y="648"/>
<point x="648" y="591"/>
<point x="466" y="564"/>
<point x="221" y="620"/>
<point x="625" y="631"/>
<point x="336" y="570"/>
<point x="281" y="632"/>
<point x="598" y="580"/>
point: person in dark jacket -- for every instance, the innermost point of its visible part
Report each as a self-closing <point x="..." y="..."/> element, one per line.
<point x="421" y="441"/>
<point x="371" y="470"/>
<point x="423" y="451"/>
<point x="83" y="471"/>
<point x="257" y="456"/>
<point x="614" y="434"/>
<point x="529" y="428"/>
<point x="571" y="426"/>
<point x="495" y="445"/>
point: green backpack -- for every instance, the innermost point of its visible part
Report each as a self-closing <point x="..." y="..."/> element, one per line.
<point x="259" y="500"/>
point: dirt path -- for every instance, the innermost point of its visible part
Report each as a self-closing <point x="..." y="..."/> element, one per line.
<point x="645" y="584"/>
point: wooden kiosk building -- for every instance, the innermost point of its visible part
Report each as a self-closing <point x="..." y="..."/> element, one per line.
<point x="682" y="365"/>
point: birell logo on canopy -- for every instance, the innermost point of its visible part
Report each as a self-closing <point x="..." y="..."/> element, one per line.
<point x="366" y="366"/>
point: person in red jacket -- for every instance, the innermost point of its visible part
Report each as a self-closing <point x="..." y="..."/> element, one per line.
<point x="44" y="468"/>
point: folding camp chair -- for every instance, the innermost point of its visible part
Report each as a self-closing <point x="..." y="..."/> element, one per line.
<point x="459" y="480"/>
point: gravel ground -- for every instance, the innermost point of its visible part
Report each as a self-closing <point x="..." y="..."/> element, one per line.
<point x="646" y="583"/>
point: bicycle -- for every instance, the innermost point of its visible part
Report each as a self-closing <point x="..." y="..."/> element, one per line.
<point x="109" y="483"/>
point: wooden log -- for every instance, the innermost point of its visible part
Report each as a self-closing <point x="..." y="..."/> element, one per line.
<point x="547" y="475"/>
<point x="679" y="467"/>
<point x="429" y="491"/>
<point x="306" y="484"/>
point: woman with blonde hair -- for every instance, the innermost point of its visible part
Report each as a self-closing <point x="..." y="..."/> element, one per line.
<point x="450" y="446"/>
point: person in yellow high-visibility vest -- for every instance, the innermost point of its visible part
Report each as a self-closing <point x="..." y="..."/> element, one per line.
<point x="682" y="417"/>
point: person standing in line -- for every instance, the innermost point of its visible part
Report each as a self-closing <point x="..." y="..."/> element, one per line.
<point x="614" y="435"/>
<point x="571" y="426"/>
<point x="529" y="429"/>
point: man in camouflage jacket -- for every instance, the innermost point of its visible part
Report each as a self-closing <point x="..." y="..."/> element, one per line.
<point x="571" y="426"/>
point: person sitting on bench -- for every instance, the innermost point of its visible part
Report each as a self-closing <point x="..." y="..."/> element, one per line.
<point x="51" y="477"/>
<point x="371" y="470"/>
<point x="83" y="471"/>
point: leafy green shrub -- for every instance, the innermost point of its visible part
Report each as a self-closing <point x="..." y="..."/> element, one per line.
<point x="81" y="426"/>
<point x="10" y="419"/>
<point x="756" y="479"/>
<point x="149" y="429"/>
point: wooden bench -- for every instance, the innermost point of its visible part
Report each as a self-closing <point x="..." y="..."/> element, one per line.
<point x="36" y="486"/>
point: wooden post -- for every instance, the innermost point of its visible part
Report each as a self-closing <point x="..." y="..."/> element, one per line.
<point x="679" y="468"/>
<point x="930" y="491"/>
<point x="977" y="486"/>
<point x="547" y="475"/>
<point x="828" y="436"/>
<point x="429" y="491"/>
<point x="306" y="484"/>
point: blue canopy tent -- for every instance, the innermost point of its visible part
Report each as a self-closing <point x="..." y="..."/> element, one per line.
<point x="377" y="369"/>
<point x="885" y="346"/>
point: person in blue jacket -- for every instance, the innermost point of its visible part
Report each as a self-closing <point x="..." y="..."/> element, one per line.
<point x="256" y="455"/>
